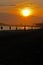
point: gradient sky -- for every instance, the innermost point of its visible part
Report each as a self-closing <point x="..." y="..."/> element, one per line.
<point x="12" y="2"/>
<point x="9" y="14"/>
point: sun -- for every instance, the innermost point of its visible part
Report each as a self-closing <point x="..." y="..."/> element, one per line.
<point x="26" y="12"/>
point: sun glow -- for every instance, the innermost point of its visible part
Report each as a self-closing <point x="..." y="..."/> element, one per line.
<point x="26" y="12"/>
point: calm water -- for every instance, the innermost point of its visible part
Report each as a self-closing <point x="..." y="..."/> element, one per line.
<point x="17" y="28"/>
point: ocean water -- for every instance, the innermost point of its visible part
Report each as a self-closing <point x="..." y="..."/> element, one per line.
<point x="17" y="28"/>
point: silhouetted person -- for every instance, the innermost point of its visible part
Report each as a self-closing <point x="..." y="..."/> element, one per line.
<point x="10" y="27"/>
<point x="1" y="27"/>
<point x="24" y="27"/>
<point x="16" y="27"/>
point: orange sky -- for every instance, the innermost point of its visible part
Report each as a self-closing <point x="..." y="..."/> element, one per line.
<point x="38" y="11"/>
<point x="11" y="14"/>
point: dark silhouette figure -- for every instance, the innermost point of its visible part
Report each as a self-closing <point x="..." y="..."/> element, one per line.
<point x="1" y="27"/>
<point x="16" y="27"/>
<point x="10" y="27"/>
<point x="24" y="27"/>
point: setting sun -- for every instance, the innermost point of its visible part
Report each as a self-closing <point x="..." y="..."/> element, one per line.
<point x="26" y="12"/>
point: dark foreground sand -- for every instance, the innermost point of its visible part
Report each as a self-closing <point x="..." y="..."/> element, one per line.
<point x="21" y="47"/>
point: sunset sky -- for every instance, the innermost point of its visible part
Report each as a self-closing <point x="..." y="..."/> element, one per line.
<point x="10" y="11"/>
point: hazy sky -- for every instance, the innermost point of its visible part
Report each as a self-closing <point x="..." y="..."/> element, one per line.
<point x="9" y="14"/>
<point x="7" y="2"/>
